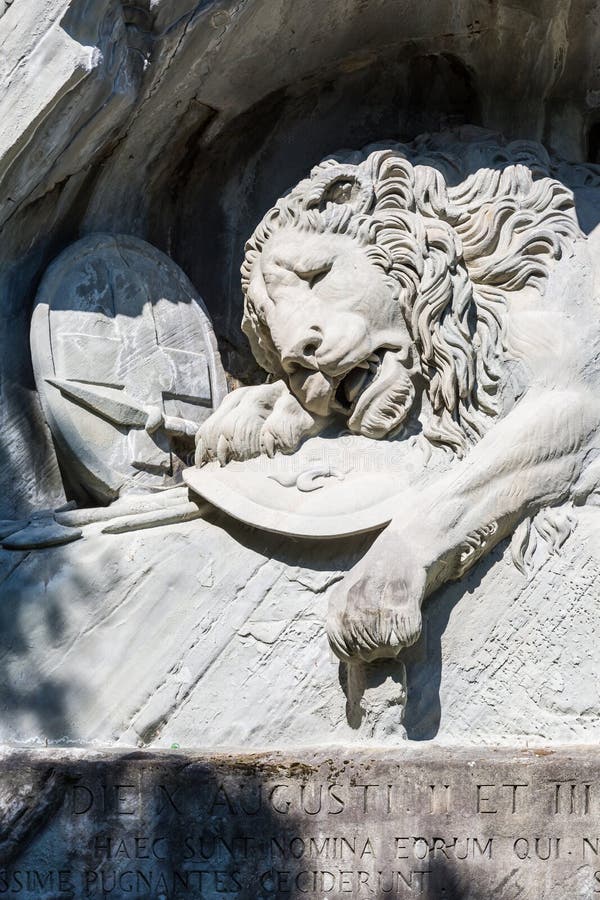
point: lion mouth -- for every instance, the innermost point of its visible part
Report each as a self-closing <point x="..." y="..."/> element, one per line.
<point x="356" y="381"/>
<point x="376" y="395"/>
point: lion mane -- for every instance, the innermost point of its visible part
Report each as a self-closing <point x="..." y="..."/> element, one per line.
<point x="456" y="221"/>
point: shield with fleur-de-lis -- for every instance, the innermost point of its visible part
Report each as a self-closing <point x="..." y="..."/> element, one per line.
<point x="126" y="364"/>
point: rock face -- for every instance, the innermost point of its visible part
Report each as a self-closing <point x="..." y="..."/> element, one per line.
<point x="151" y="122"/>
<point x="336" y="524"/>
<point x="121" y="639"/>
<point x="181" y="123"/>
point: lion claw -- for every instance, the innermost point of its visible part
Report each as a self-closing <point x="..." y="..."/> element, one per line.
<point x="267" y="443"/>
<point x="222" y="450"/>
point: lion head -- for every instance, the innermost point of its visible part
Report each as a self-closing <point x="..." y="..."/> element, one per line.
<point x="379" y="284"/>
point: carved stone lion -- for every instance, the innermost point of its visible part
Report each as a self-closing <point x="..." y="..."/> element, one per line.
<point x="444" y="285"/>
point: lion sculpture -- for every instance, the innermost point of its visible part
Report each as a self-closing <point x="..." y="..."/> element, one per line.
<point x="447" y="284"/>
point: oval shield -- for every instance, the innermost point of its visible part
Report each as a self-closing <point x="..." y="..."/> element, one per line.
<point x="328" y="488"/>
<point x="125" y="362"/>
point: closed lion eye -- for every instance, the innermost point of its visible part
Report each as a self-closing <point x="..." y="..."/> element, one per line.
<point x="314" y="276"/>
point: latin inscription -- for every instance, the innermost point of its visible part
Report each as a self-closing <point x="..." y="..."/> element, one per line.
<point x="163" y="829"/>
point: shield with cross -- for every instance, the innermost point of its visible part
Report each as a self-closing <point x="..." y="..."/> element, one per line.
<point x="126" y="364"/>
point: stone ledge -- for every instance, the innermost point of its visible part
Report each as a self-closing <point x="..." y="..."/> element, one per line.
<point x="434" y="822"/>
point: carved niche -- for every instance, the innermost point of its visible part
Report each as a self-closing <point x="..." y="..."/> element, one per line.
<point x="439" y="300"/>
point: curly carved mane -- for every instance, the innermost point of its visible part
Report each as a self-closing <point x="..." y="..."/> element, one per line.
<point x="457" y="221"/>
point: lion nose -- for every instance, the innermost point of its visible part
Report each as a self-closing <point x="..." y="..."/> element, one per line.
<point x="303" y="350"/>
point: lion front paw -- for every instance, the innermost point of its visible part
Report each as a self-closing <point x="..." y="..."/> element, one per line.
<point x="253" y="420"/>
<point x="375" y="612"/>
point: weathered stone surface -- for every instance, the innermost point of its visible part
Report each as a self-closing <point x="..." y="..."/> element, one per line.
<point x="440" y="825"/>
<point x="209" y="633"/>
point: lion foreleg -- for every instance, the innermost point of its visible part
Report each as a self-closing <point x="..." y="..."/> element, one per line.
<point x="529" y="460"/>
